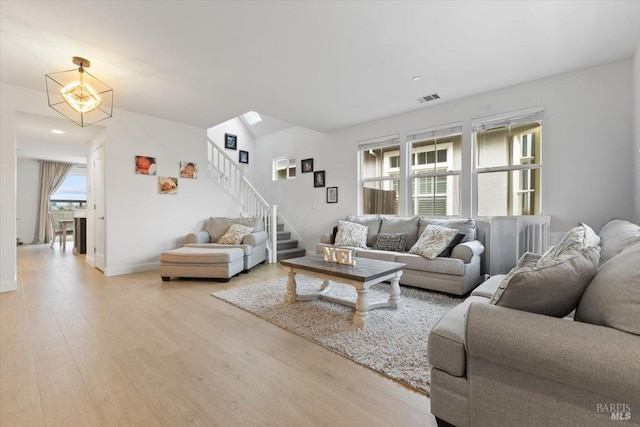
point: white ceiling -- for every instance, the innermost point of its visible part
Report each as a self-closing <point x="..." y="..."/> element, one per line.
<point x="323" y="65"/>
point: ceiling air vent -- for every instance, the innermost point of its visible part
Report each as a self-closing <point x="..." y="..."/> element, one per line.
<point x="428" y="98"/>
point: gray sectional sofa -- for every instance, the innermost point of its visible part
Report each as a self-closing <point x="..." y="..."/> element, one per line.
<point x="457" y="274"/>
<point x="494" y="365"/>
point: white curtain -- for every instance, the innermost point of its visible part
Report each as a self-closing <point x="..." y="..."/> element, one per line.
<point x="52" y="174"/>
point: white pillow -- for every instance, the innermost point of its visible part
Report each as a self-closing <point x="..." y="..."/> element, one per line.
<point x="234" y="235"/>
<point x="351" y="234"/>
<point x="433" y="241"/>
<point x="573" y="242"/>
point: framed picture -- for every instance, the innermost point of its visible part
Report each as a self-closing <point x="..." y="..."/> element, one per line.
<point x="243" y="157"/>
<point x="167" y="185"/>
<point x="230" y="141"/>
<point x="332" y="194"/>
<point x="188" y="170"/>
<point x="307" y="165"/>
<point x="145" y="165"/>
<point x="318" y="179"/>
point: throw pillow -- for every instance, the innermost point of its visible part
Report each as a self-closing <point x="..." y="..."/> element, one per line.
<point x="613" y="297"/>
<point x="433" y="241"/>
<point x="333" y="235"/>
<point x="447" y="251"/>
<point x="234" y="235"/>
<point x="617" y="235"/>
<point x="395" y="242"/>
<point x="552" y="289"/>
<point x="575" y="240"/>
<point x="528" y="259"/>
<point x="351" y="234"/>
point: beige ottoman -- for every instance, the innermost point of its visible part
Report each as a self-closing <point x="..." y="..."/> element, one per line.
<point x="218" y="263"/>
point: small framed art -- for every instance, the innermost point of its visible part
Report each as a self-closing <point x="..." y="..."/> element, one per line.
<point x="307" y="165"/>
<point x="230" y="141"/>
<point x="167" y="185"/>
<point x="145" y="165"/>
<point x="243" y="157"/>
<point x="188" y="170"/>
<point x="332" y="194"/>
<point x="318" y="179"/>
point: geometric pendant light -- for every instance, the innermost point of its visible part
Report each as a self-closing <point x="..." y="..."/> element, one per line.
<point x="78" y="95"/>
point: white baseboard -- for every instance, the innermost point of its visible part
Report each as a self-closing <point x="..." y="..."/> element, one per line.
<point x="128" y="269"/>
<point x="89" y="260"/>
<point x="8" y="285"/>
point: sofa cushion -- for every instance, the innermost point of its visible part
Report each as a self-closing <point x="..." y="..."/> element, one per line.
<point x="372" y="222"/>
<point x="615" y="236"/>
<point x="433" y="241"/>
<point x="218" y="226"/>
<point x="574" y="241"/>
<point x="396" y="242"/>
<point x="552" y="289"/>
<point x="351" y="234"/>
<point x="613" y="297"/>
<point x="451" y="266"/>
<point x="395" y="224"/>
<point x="466" y="226"/>
<point x="378" y="255"/>
<point x="489" y="287"/>
<point x="234" y="234"/>
<point x="446" y="347"/>
<point x="446" y="253"/>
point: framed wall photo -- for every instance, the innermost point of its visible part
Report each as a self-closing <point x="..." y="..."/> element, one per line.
<point x="167" y="185"/>
<point x="318" y="179"/>
<point x="307" y="165"/>
<point x="332" y="194"/>
<point x="243" y="157"/>
<point x="188" y="170"/>
<point x="145" y="165"/>
<point x="230" y="141"/>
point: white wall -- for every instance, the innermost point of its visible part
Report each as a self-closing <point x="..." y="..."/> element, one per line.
<point x="587" y="132"/>
<point x="636" y="125"/>
<point x="245" y="142"/>
<point x="28" y="185"/>
<point x="140" y="222"/>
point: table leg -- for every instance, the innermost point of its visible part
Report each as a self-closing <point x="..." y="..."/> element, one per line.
<point x="64" y="237"/>
<point x="394" y="293"/>
<point x="362" y="309"/>
<point x="290" y="296"/>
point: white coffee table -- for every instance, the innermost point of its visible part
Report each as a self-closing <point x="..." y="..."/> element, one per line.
<point x="362" y="276"/>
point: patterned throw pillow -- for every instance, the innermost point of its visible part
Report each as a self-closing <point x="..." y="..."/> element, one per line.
<point x="452" y="244"/>
<point x="433" y="241"/>
<point x="574" y="241"/>
<point x="351" y="234"/>
<point x="235" y="234"/>
<point x="395" y="242"/>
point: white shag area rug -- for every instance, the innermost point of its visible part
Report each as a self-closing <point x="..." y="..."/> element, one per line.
<point x="394" y="342"/>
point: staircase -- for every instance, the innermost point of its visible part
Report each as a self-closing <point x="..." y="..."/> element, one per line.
<point x="287" y="247"/>
<point x="228" y="174"/>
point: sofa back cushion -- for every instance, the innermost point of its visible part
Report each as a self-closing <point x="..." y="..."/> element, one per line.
<point x="466" y="226"/>
<point x="552" y="289"/>
<point x="400" y="224"/>
<point x="613" y="297"/>
<point x="372" y="222"/>
<point x="218" y="226"/>
<point x="615" y="236"/>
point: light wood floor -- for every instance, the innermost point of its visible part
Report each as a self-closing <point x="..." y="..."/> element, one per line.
<point x="79" y="349"/>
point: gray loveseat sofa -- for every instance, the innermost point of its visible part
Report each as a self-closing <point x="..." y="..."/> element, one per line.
<point x="457" y="274"/>
<point x="499" y="366"/>
<point x="253" y="245"/>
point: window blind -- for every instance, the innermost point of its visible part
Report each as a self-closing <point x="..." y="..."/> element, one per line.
<point x="379" y="142"/>
<point x="443" y="132"/>
<point x="508" y="121"/>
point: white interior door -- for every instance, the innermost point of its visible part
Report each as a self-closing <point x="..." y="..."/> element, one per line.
<point x="98" y="216"/>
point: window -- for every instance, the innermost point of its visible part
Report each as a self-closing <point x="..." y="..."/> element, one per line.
<point x="379" y="176"/>
<point x="436" y="162"/>
<point x="71" y="194"/>
<point x="284" y="168"/>
<point x="508" y="165"/>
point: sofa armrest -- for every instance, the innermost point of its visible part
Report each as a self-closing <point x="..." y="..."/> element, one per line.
<point x="593" y="358"/>
<point x="467" y="250"/>
<point x="325" y="238"/>
<point x="199" y="237"/>
<point x="254" y="239"/>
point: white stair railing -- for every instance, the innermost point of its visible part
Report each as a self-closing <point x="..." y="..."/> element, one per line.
<point x="229" y="175"/>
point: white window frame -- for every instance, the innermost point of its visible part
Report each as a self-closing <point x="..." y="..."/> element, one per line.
<point x="530" y="115"/>
<point x="275" y="168"/>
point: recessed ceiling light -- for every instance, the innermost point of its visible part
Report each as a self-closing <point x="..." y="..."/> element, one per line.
<point x="415" y="78"/>
<point x="58" y="131"/>
<point x="252" y="117"/>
